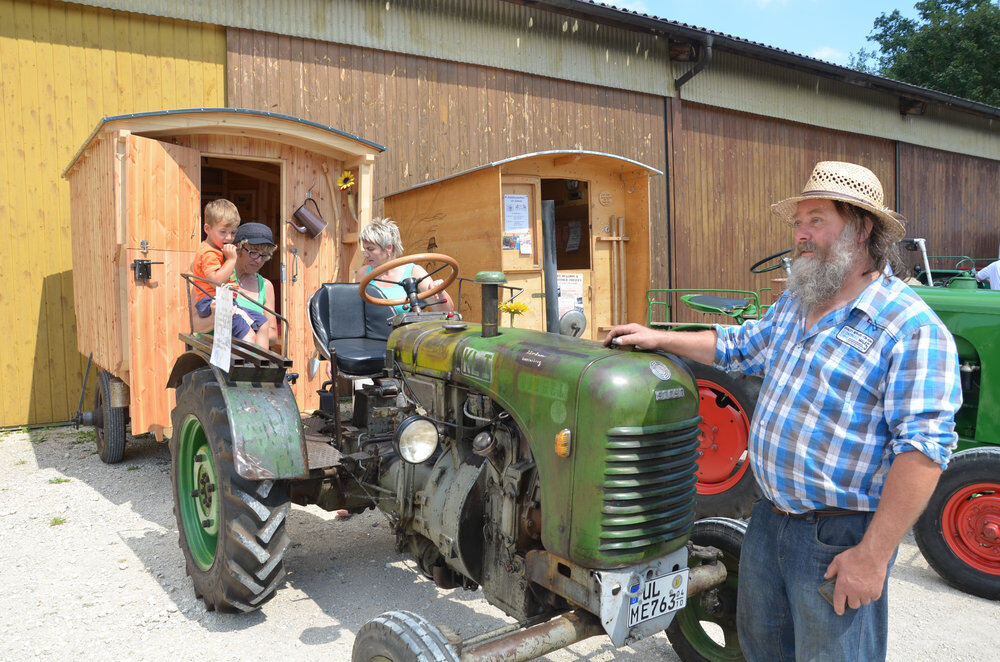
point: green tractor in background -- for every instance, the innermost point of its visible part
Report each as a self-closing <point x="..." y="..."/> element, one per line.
<point x="959" y="532"/>
<point x="554" y="473"/>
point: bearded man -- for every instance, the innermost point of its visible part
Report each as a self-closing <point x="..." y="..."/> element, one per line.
<point x="854" y="423"/>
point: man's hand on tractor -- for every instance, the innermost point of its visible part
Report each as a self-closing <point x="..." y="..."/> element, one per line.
<point x="635" y="335"/>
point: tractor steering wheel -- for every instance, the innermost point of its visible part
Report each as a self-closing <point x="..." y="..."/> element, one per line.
<point x="400" y="261"/>
<point x="757" y="269"/>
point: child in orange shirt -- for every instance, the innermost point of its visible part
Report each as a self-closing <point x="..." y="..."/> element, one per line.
<point x="215" y="261"/>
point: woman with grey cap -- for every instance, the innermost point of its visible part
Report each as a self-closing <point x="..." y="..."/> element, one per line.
<point x="254" y="246"/>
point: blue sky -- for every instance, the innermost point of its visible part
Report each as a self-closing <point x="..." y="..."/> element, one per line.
<point x="826" y="29"/>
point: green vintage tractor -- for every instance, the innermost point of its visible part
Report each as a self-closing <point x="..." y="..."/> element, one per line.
<point x="959" y="532"/>
<point x="551" y="472"/>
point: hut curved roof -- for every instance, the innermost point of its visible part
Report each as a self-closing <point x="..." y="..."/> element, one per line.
<point x="303" y="133"/>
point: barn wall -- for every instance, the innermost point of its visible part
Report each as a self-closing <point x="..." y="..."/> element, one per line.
<point x="437" y="118"/>
<point x="951" y="200"/>
<point x="63" y="67"/>
<point x="729" y="167"/>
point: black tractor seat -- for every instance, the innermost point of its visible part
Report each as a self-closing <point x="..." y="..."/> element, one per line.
<point x="348" y="330"/>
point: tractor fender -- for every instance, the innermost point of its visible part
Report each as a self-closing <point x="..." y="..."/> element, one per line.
<point x="264" y="421"/>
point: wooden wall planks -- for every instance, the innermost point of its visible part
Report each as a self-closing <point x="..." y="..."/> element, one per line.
<point x="62" y="67"/>
<point x="438" y="118"/>
<point x="951" y="200"/>
<point x="729" y="167"/>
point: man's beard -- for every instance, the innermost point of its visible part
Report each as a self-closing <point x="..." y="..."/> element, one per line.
<point x="817" y="280"/>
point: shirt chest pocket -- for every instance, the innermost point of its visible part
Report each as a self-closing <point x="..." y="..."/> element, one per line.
<point x="844" y="371"/>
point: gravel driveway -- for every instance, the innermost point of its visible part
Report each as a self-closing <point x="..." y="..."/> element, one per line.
<point x="91" y="570"/>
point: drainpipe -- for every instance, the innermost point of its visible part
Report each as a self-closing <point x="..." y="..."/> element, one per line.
<point x="704" y="59"/>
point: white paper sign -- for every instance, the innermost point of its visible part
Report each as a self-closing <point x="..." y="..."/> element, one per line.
<point x="515" y="213"/>
<point x="524" y="243"/>
<point x="570" y="292"/>
<point x="222" y="339"/>
<point x="573" y="241"/>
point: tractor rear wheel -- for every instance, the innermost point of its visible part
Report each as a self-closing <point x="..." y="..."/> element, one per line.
<point x="959" y="531"/>
<point x="231" y="530"/>
<point x="401" y="636"/>
<point x="705" y="630"/>
<point x="109" y="421"/>
<point x="726" y="485"/>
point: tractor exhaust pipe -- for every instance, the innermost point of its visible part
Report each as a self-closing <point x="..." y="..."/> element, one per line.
<point x="542" y="639"/>
<point x="549" y="270"/>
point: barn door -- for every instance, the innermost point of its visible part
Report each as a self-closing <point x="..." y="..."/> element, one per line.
<point x="161" y="208"/>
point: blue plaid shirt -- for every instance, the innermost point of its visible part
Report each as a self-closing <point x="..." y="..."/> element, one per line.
<point x="870" y="380"/>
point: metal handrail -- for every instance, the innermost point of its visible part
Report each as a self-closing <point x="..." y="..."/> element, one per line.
<point x="190" y="278"/>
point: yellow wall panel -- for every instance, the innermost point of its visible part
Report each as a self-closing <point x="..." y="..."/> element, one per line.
<point x="62" y="68"/>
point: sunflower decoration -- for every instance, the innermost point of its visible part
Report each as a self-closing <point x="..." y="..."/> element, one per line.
<point x="513" y="308"/>
<point x="346" y="180"/>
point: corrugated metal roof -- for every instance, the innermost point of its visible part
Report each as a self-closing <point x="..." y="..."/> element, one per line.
<point x="722" y="41"/>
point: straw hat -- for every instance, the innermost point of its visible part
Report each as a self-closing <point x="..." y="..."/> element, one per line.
<point x="857" y="185"/>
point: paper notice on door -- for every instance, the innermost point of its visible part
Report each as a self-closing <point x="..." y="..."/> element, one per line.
<point x="570" y="292"/>
<point x="222" y="338"/>
<point x="524" y="243"/>
<point x="573" y="241"/>
<point x="516" y="218"/>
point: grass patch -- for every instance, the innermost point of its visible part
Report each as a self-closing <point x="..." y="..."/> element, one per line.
<point x="84" y="437"/>
<point x="57" y="480"/>
<point x="131" y="467"/>
<point x="37" y="440"/>
<point x="20" y="462"/>
<point x="56" y="521"/>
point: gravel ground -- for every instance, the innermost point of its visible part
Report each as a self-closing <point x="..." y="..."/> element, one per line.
<point x="91" y="570"/>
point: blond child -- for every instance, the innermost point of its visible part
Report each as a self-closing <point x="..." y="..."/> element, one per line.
<point x="215" y="261"/>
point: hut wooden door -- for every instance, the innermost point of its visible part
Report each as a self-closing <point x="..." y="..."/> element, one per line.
<point x="161" y="199"/>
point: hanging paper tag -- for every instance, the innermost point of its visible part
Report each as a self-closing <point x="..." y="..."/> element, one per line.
<point x="222" y="343"/>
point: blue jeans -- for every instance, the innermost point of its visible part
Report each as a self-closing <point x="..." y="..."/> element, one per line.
<point x="781" y="615"/>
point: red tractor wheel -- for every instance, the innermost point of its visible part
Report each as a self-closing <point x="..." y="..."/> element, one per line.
<point x="726" y="485"/>
<point x="959" y="532"/>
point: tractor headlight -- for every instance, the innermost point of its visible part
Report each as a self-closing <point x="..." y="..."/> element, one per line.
<point x="416" y="439"/>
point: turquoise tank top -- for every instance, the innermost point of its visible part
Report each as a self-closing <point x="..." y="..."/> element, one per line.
<point x="395" y="291"/>
<point x="246" y="303"/>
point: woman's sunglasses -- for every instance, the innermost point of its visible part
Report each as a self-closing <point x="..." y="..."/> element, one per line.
<point x="254" y="255"/>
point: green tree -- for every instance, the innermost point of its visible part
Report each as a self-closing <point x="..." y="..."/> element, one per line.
<point x="954" y="47"/>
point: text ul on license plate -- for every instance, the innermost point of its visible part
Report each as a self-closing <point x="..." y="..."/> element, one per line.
<point x="657" y="597"/>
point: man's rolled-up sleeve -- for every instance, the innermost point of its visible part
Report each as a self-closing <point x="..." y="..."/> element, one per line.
<point x="744" y="347"/>
<point x="923" y="393"/>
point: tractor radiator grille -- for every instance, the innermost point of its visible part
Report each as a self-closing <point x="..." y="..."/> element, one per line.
<point x="649" y="486"/>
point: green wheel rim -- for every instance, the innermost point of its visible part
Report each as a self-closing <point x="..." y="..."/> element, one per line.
<point x="198" y="493"/>
<point x="690" y="619"/>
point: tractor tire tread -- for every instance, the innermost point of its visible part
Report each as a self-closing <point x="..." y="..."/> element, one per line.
<point x="249" y="561"/>
<point x="402" y="636"/>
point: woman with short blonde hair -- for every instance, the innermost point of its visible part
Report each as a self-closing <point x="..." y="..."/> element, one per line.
<point x="381" y="242"/>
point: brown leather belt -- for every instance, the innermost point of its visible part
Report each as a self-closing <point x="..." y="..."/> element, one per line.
<point x="830" y="512"/>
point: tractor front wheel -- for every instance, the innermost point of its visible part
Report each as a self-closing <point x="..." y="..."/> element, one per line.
<point x="726" y="402"/>
<point x="231" y="530"/>
<point x="959" y="531"/>
<point x="109" y="422"/>
<point x="401" y="636"/>
<point x="705" y="630"/>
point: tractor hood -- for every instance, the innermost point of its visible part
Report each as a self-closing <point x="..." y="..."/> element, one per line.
<point x="626" y="491"/>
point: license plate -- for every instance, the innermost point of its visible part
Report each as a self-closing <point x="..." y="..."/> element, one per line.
<point x="658" y="596"/>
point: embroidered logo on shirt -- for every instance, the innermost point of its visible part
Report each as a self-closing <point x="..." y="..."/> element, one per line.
<point x="855" y="339"/>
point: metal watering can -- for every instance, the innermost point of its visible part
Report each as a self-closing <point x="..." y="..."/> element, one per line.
<point x="308" y="222"/>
